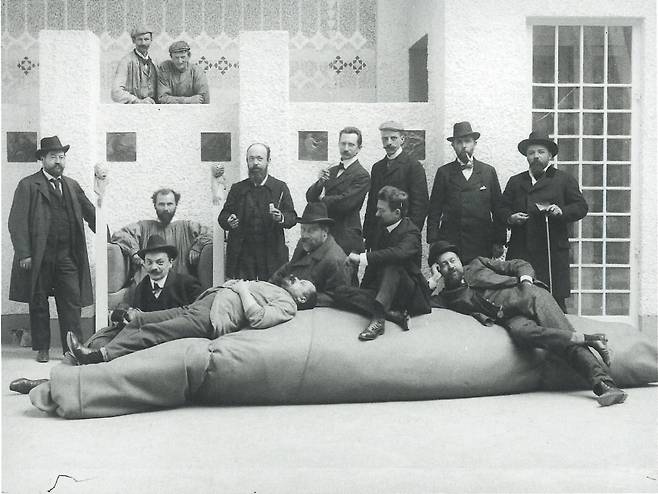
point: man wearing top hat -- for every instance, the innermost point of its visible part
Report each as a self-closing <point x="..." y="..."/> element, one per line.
<point x="317" y="257"/>
<point x="50" y="250"/>
<point x="465" y="204"/>
<point x="400" y="170"/>
<point x="531" y="198"/>
<point x="136" y="77"/>
<point x="179" y="80"/>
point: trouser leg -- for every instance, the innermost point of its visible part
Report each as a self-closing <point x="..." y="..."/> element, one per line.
<point x="395" y="287"/>
<point x="67" y="298"/>
<point x="39" y="309"/>
<point x="102" y="337"/>
<point x="359" y="300"/>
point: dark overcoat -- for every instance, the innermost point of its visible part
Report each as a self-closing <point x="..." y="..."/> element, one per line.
<point x="275" y="244"/>
<point x="344" y="196"/>
<point x="29" y="222"/>
<point x="179" y="289"/>
<point x="405" y="173"/>
<point x="528" y="241"/>
<point x="467" y="213"/>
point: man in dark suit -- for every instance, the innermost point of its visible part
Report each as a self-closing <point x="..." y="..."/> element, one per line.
<point x="533" y="197"/>
<point x="343" y="189"/>
<point x="465" y="204"/>
<point x="50" y="250"/>
<point x="504" y="292"/>
<point x="162" y="288"/>
<point x="317" y="257"/>
<point x="255" y="214"/>
<point x="401" y="171"/>
<point x="393" y="286"/>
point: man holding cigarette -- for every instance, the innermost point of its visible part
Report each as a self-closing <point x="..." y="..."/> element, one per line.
<point x="256" y="211"/>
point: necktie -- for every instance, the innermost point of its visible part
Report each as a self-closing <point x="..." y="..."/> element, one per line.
<point x="340" y="169"/>
<point x="57" y="184"/>
<point x="156" y="290"/>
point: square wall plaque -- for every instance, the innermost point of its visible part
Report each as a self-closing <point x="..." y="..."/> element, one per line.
<point x="313" y="145"/>
<point x="21" y="147"/>
<point x="215" y="146"/>
<point x="121" y="146"/>
<point x="414" y="143"/>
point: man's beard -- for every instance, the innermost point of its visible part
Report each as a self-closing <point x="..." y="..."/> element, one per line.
<point x="465" y="157"/>
<point x="257" y="175"/>
<point x="453" y="279"/>
<point x="165" y="216"/>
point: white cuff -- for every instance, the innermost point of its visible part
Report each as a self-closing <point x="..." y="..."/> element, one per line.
<point x="525" y="277"/>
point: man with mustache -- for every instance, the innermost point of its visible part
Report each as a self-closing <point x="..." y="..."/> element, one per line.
<point x="189" y="237"/>
<point x="255" y="213"/>
<point x="465" y="204"/>
<point x="399" y="170"/>
<point x="506" y="292"/>
<point x="50" y="251"/>
<point x="136" y="77"/>
<point x="558" y="195"/>
<point x="179" y="80"/>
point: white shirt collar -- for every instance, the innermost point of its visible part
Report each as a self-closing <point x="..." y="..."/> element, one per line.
<point x="48" y="176"/>
<point x="160" y="283"/>
<point x="532" y="177"/>
<point x="263" y="182"/>
<point x="348" y="162"/>
<point x="392" y="227"/>
<point x="395" y="154"/>
<point x="139" y="54"/>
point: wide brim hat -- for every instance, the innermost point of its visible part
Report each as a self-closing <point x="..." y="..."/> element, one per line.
<point x="463" y="129"/>
<point x="50" y="144"/>
<point x="157" y="244"/>
<point x="537" y="137"/>
<point x="438" y="248"/>
<point x="315" y="212"/>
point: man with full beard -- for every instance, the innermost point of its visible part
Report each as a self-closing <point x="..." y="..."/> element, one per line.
<point x="189" y="237"/>
<point x="255" y="214"/>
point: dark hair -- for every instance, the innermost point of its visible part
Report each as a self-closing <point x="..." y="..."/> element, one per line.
<point x="155" y="195"/>
<point x="262" y="144"/>
<point x="311" y="300"/>
<point x="352" y="130"/>
<point x="396" y="198"/>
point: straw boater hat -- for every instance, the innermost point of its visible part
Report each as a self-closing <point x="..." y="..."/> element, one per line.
<point x="463" y="129"/>
<point x="538" y="137"/>
<point x="438" y="248"/>
<point x="157" y="244"/>
<point x="50" y="144"/>
<point x="315" y="212"/>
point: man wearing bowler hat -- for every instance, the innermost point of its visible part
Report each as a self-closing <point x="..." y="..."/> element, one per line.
<point x="179" y="80"/>
<point x="136" y="77"/>
<point x="543" y="194"/>
<point x="317" y="257"/>
<point x="465" y="204"/>
<point x="50" y="251"/>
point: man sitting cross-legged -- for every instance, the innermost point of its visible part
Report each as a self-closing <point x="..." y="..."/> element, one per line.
<point x="225" y="309"/>
<point x="504" y="292"/>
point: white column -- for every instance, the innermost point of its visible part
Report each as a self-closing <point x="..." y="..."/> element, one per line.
<point x="69" y="80"/>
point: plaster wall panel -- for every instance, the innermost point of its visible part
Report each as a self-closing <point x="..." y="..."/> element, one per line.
<point x="393" y="50"/>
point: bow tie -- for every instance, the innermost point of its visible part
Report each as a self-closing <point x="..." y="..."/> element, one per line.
<point x="466" y="166"/>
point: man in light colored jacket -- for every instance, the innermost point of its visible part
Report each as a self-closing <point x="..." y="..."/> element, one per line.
<point x="136" y="78"/>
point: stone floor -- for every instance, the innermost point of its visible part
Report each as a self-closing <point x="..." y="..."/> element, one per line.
<point x="540" y="442"/>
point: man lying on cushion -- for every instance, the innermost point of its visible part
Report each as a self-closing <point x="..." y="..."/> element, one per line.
<point x="504" y="292"/>
<point x="234" y="305"/>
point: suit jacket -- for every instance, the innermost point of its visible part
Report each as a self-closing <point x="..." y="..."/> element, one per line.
<point x="344" y="197"/>
<point x="528" y="241"/>
<point x="29" y="222"/>
<point x="179" y="290"/>
<point x="325" y="267"/>
<point x="401" y="247"/>
<point x="404" y="173"/>
<point x="467" y="213"/>
<point x="276" y="252"/>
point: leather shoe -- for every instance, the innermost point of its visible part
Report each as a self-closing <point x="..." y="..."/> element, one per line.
<point x="399" y="317"/>
<point x="24" y="385"/>
<point x="374" y="329"/>
<point x="609" y="394"/>
<point x="81" y="353"/>
<point x="43" y="356"/>
<point x="599" y="343"/>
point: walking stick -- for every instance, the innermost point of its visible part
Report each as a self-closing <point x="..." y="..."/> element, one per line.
<point x="543" y="207"/>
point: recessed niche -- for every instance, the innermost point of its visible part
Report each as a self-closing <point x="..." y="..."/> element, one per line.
<point x="21" y="147"/>
<point x="215" y="146"/>
<point x="313" y="145"/>
<point x="121" y="146"/>
<point x="414" y="143"/>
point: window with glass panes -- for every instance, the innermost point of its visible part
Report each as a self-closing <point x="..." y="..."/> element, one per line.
<point x="581" y="95"/>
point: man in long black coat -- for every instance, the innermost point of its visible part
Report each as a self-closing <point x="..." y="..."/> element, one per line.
<point x="256" y="212"/>
<point x="530" y="197"/>
<point x="400" y="170"/>
<point x="50" y="250"/>
<point x="465" y="205"/>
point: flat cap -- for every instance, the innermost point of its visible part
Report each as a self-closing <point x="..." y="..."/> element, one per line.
<point x="392" y="125"/>
<point x="178" y="46"/>
<point x="140" y="29"/>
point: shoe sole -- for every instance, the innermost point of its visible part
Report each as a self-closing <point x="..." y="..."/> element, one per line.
<point x="612" y="399"/>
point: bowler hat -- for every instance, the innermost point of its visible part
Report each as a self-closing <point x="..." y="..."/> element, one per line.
<point x="315" y="212"/>
<point x="463" y="129"/>
<point x="50" y="144"/>
<point x="157" y="244"/>
<point x="392" y="125"/>
<point x="538" y="137"/>
<point x="139" y="30"/>
<point x="438" y="248"/>
<point x="178" y="46"/>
